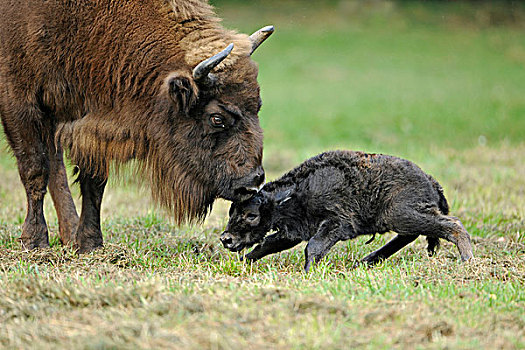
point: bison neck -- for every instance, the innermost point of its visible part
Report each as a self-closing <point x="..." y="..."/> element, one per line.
<point x="101" y="144"/>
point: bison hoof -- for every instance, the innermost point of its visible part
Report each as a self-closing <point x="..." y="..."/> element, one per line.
<point x="87" y="245"/>
<point x="67" y="234"/>
<point x="34" y="238"/>
<point x="84" y="249"/>
<point x="31" y="244"/>
<point x="368" y="261"/>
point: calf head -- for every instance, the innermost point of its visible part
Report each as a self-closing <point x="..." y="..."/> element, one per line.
<point x="251" y="220"/>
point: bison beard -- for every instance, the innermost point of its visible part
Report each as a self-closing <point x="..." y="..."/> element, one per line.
<point x="159" y="82"/>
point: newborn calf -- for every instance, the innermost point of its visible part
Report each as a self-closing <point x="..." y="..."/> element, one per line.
<point x="340" y="195"/>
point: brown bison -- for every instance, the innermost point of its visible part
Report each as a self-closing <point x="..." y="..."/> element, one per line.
<point x="160" y="82"/>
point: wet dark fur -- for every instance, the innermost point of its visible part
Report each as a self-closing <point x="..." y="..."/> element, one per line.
<point x="111" y="81"/>
<point x="341" y="195"/>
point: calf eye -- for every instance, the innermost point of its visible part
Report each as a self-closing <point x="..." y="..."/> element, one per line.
<point x="251" y="217"/>
<point x="217" y="120"/>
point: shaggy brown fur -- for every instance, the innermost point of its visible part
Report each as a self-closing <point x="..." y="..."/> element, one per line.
<point x="111" y="81"/>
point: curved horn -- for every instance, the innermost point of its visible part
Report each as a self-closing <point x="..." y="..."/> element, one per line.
<point x="202" y="70"/>
<point x="260" y="36"/>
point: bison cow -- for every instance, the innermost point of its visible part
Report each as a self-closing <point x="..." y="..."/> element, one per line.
<point x="160" y="82"/>
<point x="340" y="195"/>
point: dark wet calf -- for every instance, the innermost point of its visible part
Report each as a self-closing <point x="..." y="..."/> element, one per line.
<point x="340" y="195"/>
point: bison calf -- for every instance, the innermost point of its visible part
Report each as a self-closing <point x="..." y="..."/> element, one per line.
<point x="340" y="195"/>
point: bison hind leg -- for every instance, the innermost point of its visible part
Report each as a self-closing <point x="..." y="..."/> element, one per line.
<point x="386" y="251"/>
<point x="61" y="195"/>
<point x="27" y="134"/>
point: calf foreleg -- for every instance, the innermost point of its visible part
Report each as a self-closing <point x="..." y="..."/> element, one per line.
<point x="272" y="244"/>
<point x="326" y="237"/>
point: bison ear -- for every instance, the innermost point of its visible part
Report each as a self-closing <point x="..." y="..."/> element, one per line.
<point x="183" y="91"/>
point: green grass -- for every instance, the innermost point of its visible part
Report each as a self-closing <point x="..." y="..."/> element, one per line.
<point x="436" y="83"/>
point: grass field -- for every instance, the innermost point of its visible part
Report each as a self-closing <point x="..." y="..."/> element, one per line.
<point x="440" y="84"/>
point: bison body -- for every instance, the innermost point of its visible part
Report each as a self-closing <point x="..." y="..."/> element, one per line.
<point x="160" y="82"/>
<point x="340" y="195"/>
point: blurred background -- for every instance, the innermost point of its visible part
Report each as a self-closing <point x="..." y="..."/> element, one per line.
<point x="383" y="76"/>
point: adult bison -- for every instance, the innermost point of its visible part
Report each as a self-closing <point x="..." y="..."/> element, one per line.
<point x="156" y="81"/>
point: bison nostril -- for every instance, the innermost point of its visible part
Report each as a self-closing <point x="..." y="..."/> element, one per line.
<point x="249" y="185"/>
<point x="258" y="179"/>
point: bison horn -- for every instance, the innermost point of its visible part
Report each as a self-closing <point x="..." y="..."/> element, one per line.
<point x="202" y="70"/>
<point x="260" y="36"/>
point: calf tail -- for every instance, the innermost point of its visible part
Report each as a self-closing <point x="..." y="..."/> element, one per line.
<point x="442" y="202"/>
<point x="433" y="242"/>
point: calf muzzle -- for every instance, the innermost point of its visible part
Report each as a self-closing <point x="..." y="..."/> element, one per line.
<point x="230" y="243"/>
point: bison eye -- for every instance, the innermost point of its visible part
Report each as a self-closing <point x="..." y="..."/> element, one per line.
<point x="217" y="120"/>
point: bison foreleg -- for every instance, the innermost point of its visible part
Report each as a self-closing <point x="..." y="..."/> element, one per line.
<point x="26" y="136"/>
<point x="272" y="244"/>
<point x="89" y="235"/>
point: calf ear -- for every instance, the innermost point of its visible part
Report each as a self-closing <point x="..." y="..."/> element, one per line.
<point x="281" y="197"/>
<point x="183" y="91"/>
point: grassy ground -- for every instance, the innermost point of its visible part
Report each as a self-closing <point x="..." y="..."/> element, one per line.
<point x="440" y="85"/>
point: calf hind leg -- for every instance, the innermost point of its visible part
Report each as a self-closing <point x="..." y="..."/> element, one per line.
<point x="433" y="245"/>
<point x="386" y="251"/>
<point x="457" y="234"/>
<point x="436" y="226"/>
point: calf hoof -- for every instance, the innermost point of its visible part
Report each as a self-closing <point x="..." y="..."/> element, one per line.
<point x="433" y="245"/>
<point x="466" y="257"/>
<point x="366" y="263"/>
<point x="370" y="260"/>
<point x="248" y="258"/>
<point x="465" y="249"/>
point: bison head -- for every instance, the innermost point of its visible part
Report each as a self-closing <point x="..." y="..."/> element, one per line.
<point x="216" y="107"/>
